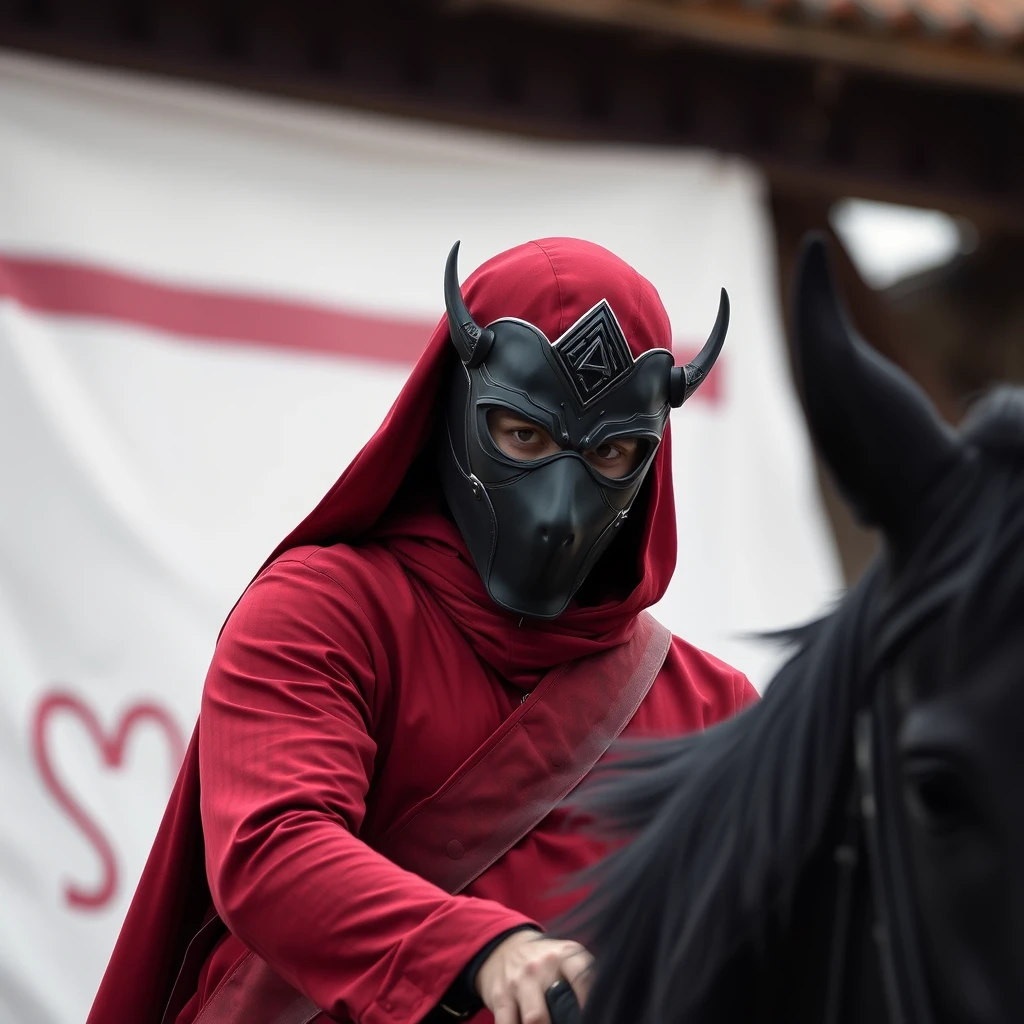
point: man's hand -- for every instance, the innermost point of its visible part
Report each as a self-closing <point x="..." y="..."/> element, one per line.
<point x="513" y="979"/>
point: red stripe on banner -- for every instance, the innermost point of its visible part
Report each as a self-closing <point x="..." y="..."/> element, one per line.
<point x="76" y="289"/>
<point x="67" y="288"/>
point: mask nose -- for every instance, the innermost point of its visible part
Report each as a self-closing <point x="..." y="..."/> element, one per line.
<point x="561" y="511"/>
<point x="557" y="534"/>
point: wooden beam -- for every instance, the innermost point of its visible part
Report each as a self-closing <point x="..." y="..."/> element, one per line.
<point x="976" y="66"/>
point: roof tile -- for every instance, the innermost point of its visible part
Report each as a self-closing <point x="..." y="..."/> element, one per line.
<point x="999" y="22"/>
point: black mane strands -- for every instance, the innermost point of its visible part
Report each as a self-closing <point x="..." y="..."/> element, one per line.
<point x="715" y="830"/>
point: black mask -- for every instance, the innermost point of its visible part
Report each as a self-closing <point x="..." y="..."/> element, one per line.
<point x="535" y="529"/>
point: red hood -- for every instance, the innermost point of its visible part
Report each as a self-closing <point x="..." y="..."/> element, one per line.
<point x="550" y="283"/>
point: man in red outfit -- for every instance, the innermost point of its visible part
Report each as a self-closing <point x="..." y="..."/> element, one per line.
<point x="367" y="823"/>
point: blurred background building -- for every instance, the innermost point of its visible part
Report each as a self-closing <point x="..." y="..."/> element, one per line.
<point x="915" y="102"/>
<point x="221" y="233"/>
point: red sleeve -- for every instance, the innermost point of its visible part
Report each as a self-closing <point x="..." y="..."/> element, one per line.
<point x="744" y="691"/>
<point x="286" y="759"/>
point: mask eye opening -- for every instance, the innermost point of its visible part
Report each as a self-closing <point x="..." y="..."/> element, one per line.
<point x="514" y="436"/>
<point x="639" y="457"/>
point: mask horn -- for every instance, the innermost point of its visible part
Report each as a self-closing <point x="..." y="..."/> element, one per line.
<point x="473" y="342"/>
<point x="684" y="380"/>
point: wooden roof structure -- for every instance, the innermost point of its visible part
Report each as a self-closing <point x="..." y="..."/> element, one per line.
<point x="918" y="101"/>
<point x="971" y="42"/>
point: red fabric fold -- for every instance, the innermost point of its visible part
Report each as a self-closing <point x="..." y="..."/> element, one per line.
<point x="430" y="548"/>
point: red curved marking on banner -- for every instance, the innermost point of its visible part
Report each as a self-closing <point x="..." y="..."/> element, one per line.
<point x="111" y="750"/>
<point x="67" y="288"/>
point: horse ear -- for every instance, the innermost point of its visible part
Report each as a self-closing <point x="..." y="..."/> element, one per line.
<point x="875" y="428"/>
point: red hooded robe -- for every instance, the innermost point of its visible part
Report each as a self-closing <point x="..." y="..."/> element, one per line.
<point x="360" y="669"/>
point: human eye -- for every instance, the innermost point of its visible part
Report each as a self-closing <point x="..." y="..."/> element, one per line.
<point x="518" y="437"/>
<point x="608" y="451"/>
<point x="618" y="458"/>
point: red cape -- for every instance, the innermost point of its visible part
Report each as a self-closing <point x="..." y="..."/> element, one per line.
<point x="549" y="283"/>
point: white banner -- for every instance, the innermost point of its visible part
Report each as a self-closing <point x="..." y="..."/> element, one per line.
<point x="207" y="304"/>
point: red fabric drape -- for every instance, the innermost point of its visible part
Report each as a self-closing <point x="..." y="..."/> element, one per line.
<point x="550" y="283"/>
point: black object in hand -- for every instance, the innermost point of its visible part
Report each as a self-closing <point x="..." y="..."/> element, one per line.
<point x="563" y="1006"/>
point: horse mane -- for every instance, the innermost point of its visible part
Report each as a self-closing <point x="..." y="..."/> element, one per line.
<point x="714" y="830"/>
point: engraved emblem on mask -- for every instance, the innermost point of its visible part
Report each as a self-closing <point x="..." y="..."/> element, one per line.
<point x="594" y="353"/>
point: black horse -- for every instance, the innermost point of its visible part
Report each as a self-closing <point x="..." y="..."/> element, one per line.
<point x="851" y="848"/>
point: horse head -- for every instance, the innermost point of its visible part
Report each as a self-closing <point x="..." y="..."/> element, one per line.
<point x="852" y="847"/>
<point x="949" y="660"/>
